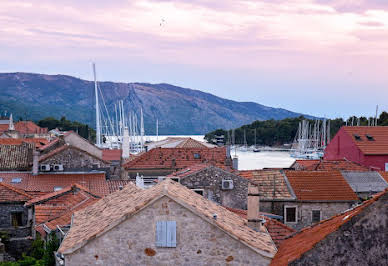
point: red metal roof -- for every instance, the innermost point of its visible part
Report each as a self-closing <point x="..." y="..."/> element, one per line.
<point x="320" y="186"/>
<point x="164" y="158"/>
<point x="377" y="146"/>
<point x="384" y="175"/>
<point x="305" y="240"/>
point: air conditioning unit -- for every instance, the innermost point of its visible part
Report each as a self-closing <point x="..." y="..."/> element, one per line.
<point x="45" y="167"/>
<point x="227" y="184"/>
<point x="58" y="167"/>
<point x="161" y="178"/>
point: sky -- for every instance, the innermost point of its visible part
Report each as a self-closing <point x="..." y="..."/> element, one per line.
<point x="320" y="57"/>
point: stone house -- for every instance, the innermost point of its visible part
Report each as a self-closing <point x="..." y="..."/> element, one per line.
<point x="165" y="224"/>
<point x="216" y="184"/>
<point x="68" y="158"/>
<point x="355" y="237"/>
<point x="302" y="197"/>
<point x="52" y="212"/>
<point x="15" y="218"/>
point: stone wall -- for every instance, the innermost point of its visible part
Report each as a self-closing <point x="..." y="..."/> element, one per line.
<point x="210" y="180"/>
<point x="81" y="143"/>
<point x="133" y="242"/>
<point x="363" y="240"/>
<point x="304" y="210"/>
<point x="6" y="210"/>
<point x="76" y="160"/>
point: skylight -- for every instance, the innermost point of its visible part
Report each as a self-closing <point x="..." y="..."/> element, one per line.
<point x="16" y="180"/>
<point x="369" y="137"/>
<point x="357" y="137"/>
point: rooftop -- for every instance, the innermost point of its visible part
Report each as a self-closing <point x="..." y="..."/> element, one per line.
<point x="320" y="186"/>
<point x="329" y="165"/>
<point x="10" y="193"/>
<point x="365" y="181"/>
<point x="370" y="140"/>
<point x="272" y="184"/>
<point x="111" y="155"/>
<point x="179" y="142"/>
<point x="303" y="241"/>
<point x="16" y="157"/>
<point x="116" y="207"/>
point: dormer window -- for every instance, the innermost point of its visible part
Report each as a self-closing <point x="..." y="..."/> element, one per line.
<point x="369" y="137"/>
<point x="357" y="137"/>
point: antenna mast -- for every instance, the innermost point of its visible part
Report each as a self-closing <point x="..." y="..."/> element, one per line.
<point x="98" y="126"/>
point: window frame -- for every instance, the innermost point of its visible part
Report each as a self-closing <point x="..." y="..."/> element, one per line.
<point x="166" y="234"/>
<point x="312" y="216"/>
<point x="21" y="218"/>
<point x="285" y="214"/>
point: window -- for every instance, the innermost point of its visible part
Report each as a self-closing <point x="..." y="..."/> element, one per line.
<point x="57" y="188"/>
<point x="176" y="179"/>
<point x="166" y="234"/>
<point x="16" y="180"/>
<point x="17" y="219"/>
<point x="197" y="156"/>
<point x="1" y="179"/>
<point x="386" y="167"/>
<point x="198" y="191"/>
<point x="290" y="214"/>
<point x="316" y="216"/>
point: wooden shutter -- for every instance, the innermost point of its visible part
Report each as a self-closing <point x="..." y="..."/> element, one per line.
<point x="161" y="233"/>
<point x="171" y="234"/>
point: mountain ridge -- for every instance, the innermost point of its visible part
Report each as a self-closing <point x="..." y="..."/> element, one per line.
<point x="179" y="110"/>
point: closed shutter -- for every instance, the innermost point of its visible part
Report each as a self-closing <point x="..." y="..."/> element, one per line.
<point x="161" y="233"/>
<point x="171" y="234"/>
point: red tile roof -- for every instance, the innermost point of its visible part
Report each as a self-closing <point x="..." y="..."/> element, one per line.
<point x="49" y="144"/>
<point x="305" y="164"/>
<point x="39" y="142"/>
<point x="320" y="186"/>
<point x="384" y="175"/>
<point x="329" y="165"/>
<point x="115" y="185"/>
<point x="163" y="158"/>
<point x="9" y="193"/>
<point x="111" y="155"/>
<point x="379" y="144"/>
<point x="57" y="208"/>
<point x="25" y="127"/>
<point x="190" y="170"/>
<point x="305" y="240"/>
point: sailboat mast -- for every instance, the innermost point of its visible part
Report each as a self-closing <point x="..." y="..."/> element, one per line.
<point x="157" y="129"/>
<point x="98" y="126"/>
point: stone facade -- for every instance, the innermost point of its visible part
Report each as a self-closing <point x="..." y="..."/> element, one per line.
<point x="132" y="242"/>
<point x="210" y="181"/>
<point x="363" y="240"/>
<point x="76" y="160"/>
<point x="6" y="210"/>
<point x="304" y="210"/>
<point x="76" y="140"/>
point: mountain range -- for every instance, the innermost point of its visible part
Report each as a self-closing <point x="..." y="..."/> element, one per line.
<point x="179" y="110"/>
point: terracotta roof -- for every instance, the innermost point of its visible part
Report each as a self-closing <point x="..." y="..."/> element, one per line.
<point x="63" y="148"/>
<point x="16" y="157"/>
<point x="305" y="164"/>
<point x="305" y="240"/>
<point x="328" y="165"/>
<point x="163" y="158"/>
<point x="11" y="141"/>
<point x="57" y="208"/>
<point x="384" y="175"/>
<point x="9" y="193"/>
<point x="25" y="127"/>
<point x="111" y="155"/>
<point x="115" y="185"/>
<point x="272" y="184"/>
<point x="49" y="144"/>
<point x="276" y="229"/>
<point x="45" y="182"/>
<point x="113" y="209"/>
<point x="377" y="146"/>
<point x="190" y="170"/>
<point x="320" y="186"/>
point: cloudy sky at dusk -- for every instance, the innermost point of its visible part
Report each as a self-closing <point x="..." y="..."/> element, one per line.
<point x="320" y="57"/>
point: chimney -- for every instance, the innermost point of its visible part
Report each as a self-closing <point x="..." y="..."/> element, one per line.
<point x="235" y="163"/>
<point x="11" y="125"/>
<point x="125" y="144"/>
<point x="35" y="162"/>
<point x="253" y="214"/>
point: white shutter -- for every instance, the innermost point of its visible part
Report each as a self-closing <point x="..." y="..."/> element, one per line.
<point x="171" y="234"/>
<point x="161" y="233"/>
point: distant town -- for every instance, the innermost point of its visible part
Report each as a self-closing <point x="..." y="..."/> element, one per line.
<point x="69" y="197"/>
